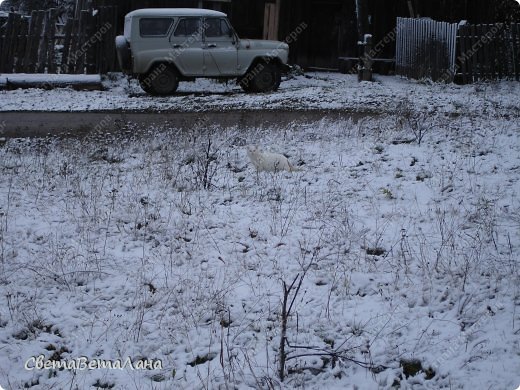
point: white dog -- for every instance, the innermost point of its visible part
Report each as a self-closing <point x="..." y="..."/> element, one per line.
<point x="269" y="162"/>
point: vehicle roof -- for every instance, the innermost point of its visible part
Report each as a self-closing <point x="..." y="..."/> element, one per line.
<point x="175" y="12"/>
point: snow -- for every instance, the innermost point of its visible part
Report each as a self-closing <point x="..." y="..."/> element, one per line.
<point x="48" y="80"/>
<point x="154" y="243"/>
<point x="315" y="91"/>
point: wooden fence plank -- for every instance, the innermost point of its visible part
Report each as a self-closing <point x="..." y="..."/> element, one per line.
<point x="67" y="32"/>
<point x="2" y="39"/>
<point x="44" y="46"/>
<point x="74" y="47"/>
<point x="479" y="54"/>
<point x="505" y="43"/>
<point x="32" y="64"/>
<point x="30" y="42"/>
<point x="465" y="53"/>
<point x="82" y="39"/>
<point x="462" y="54"/>
<point x="469" y="54"/>
<point x="515" y="32"/>
<point x="51" y="55"/>
<point x="12" y="25"/>
<point x="500" y="53"/>
<point x="481" y="33"/>
<point x="111" y="38"/>
<point x="21" y="45"/>
<point x="103" y="63"/>
<point x="91" y="41"/>
<point x="398" y="48"/>
<point x="492" y="54"/>
<point x="5" y="43"/>
<point x="473" y="52"/>
<point x="489" y="59"/>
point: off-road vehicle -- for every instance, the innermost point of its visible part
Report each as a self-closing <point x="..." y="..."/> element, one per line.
<point x="163" y="46"/>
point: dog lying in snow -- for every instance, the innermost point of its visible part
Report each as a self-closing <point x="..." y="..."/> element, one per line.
<point x="269" y="162"/>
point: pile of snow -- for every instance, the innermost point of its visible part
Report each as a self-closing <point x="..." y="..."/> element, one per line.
<point x="167" y="245"/>
<point x="46" y="81"/>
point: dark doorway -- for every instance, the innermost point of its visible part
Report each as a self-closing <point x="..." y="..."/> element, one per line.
<point x="325" y="28"/>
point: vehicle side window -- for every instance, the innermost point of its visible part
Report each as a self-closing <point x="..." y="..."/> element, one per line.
<point x="188" y="27"/>
<point x="153" y="27"/>
<point x="216" y="28"/>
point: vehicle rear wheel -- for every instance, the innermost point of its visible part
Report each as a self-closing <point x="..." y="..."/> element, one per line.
<point x="161" y="80"/>
<point x="266" y="79"/>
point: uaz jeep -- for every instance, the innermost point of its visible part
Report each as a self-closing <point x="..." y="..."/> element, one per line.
<point x="164" y="46"/>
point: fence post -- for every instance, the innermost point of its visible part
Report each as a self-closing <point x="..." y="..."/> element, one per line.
<point x="365" y="63"/>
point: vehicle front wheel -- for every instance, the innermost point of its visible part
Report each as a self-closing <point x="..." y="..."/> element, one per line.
<point x="161" y="80"/>
<point x="263" y="78"/>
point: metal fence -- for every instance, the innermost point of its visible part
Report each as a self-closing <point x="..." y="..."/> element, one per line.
<point x="427" y="49"/>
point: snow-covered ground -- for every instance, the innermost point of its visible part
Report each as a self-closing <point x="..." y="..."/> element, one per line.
<point x="312" y="91"/>
<point x="166" y="244"/>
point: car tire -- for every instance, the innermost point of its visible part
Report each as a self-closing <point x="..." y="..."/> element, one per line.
<point x="246" y="83"/>
<point x="266" y="79"/>
<point x="162" y="80"/>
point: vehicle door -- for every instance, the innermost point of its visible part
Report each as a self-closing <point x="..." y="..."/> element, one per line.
<point x="187" y="44"/>
<point x="220" y="48"/>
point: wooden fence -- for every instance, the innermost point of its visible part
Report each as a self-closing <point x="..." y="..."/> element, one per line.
<point x="440" y="51"/>
<point x="53" y="42"/>
<point x="425" y="49"/>
<point x="488" y="52"/>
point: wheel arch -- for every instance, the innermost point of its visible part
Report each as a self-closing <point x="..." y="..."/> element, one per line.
<point x="262" y="61"/>
<point x="162" y="64"/>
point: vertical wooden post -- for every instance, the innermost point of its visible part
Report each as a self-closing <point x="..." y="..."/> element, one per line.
<point x="51" y="60"/>
<point x="462" y="53"/>
<point x="516" y="49"/>
<point x="271" y="20"/>
<point x="365" y="71"/>
<point x="362" y="24"/>
<point x="30" y="41"/>
<point x="80" y="53"/>
<point x="31" y="63"/>
<point x="22" y="42"/>
<point x="90" y="31"/>
<point x="474" y="63"/>
<point x="361" y="13"/>
<point x="44" y="46"/>
<point x="67" y="32"/>
<point x="110" y="39"/>
<point x="410" y="9"/>
<point x="501" y="54"/>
